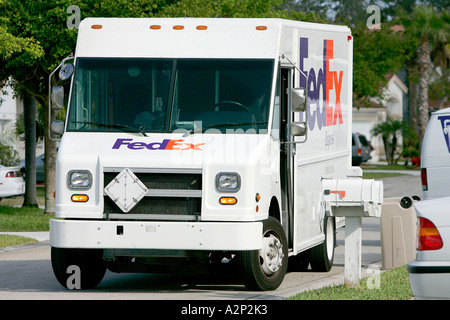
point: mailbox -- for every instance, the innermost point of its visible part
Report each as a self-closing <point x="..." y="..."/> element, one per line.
<point x="353" y="197"/>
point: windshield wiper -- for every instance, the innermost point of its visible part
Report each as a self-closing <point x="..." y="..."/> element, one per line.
<point x="223" y="125"/>
<point x="122" y="127"/>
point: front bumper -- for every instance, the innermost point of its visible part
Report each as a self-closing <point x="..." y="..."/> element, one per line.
<point x="430" y="279"/>
<point x="90" y="234"/>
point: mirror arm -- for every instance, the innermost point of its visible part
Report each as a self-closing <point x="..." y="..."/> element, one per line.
<point x="284" y="57"/>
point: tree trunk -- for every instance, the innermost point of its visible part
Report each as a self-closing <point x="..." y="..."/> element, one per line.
<point x="386" y="147"/>
<point x="413" y="96"/>
<point x="423" y="62"/>
<point x="29" y="113"/>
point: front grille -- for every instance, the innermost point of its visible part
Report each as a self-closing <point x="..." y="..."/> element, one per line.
<point x="171" y="196"/>
<point x="168" y="181"/>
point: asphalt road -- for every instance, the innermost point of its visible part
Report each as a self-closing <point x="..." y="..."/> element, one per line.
<point x="26" y="273"/>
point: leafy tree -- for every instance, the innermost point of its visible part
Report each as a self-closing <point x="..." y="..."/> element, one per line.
<point x="11" y="46"/>
<point x="8" y="156"/>
<point x="318" y="8"/>
<point x="234" y="9"/>
<point x="350" y="12"/>
<point x="376" y="54"/>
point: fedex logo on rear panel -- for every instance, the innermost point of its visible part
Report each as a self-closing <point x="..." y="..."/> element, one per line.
<point x="325" y="81"/>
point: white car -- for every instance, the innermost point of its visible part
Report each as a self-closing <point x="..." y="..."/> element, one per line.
<point x="11" y="182"/>
<point x="429" y="274"/>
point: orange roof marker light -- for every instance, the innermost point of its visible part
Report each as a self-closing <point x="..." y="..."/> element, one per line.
<point x="202" y="27"/>
<point x="155" y="27"/>
<point x="178" y="27"/>
<point x="96" y="26"/>
<point x="261" y="28"/>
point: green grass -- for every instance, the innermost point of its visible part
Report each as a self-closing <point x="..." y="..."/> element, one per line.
<point x="381" y="175"/>
<point x="7" y="240"/>
<point x="23" y="219"/>
<point x="393" y="285"/>
<point x="388" y="167"/>
<point x="14" y="219"/>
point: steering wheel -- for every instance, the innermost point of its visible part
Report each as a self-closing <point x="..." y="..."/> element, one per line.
<point x="230" y="102"/>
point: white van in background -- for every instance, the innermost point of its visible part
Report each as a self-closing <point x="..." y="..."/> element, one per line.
<point x="435" y="162"/>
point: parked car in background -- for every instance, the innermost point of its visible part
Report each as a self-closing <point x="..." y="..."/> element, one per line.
<point x="11" y="182"/>
<point x="361" y="149"/>
<point x="429" y="274"/>
<point x="40" y="174"/>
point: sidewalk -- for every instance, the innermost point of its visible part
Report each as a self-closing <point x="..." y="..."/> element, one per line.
<point x="39" y="236"/>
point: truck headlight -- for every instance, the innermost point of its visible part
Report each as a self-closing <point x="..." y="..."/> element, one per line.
<point x="228" y="182"/>
<point x="79" y="179"/>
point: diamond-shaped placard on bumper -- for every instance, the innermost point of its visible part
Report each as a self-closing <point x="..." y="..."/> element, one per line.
<point x="126" y="190"/>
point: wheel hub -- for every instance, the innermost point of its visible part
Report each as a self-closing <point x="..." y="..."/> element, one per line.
<point x="271" y="255"/>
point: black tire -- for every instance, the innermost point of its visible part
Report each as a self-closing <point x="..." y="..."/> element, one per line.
<point x="322" y="256"/>
<point x="265" y="269"/>
<point x="90" y="262"/>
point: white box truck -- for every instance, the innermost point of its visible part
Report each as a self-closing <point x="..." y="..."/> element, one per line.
<point x="189" y="142"/>
<point x="435" y="157"/>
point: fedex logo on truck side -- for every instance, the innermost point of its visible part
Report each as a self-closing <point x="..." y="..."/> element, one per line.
<point x="324" y="80"/>
<point x="166" y="144"/>
<point x="445" y="123"/>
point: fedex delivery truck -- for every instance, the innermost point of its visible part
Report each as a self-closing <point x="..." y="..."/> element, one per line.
<point x="190" y="142"/>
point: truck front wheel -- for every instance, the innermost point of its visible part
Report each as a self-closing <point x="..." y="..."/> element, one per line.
<point x="265" y="269"/>
<point x="78" y="268"/>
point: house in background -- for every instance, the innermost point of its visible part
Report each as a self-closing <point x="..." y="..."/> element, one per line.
<point x="393" y="105"/>
<point x="10" y="108"/>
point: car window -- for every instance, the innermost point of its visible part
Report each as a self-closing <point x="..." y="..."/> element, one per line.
<point x="363" y="141"/>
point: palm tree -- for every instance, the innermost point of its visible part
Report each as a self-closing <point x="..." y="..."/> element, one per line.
<point x="430" y="28"/>
<point x="389" y="131"/>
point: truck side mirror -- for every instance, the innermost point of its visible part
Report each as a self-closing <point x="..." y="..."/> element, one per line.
<point x="298" y="99"/>
<point x="57" y="97"/>
<point x="57" y="127"/>
<point x="298" y="129"/>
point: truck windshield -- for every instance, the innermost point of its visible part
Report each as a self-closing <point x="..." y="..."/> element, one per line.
<point x="162" y="95"/>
